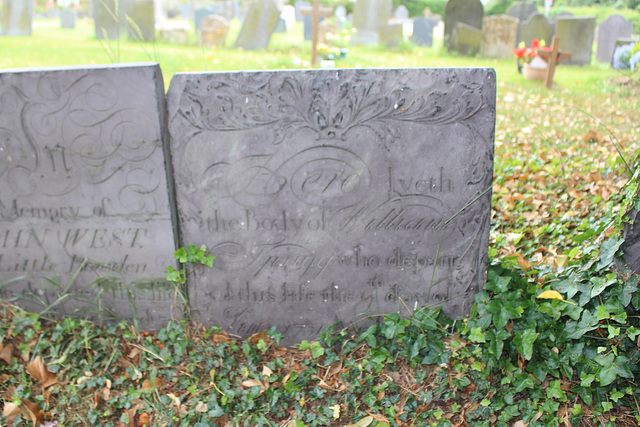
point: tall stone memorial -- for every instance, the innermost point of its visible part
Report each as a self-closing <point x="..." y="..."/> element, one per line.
<point x="16" y="17"/>
<point x="332" y="195"/>
<point x="467" y="12"/>
<point x="576" y="36"/>
<point x="537" y="27"/>
<point x="369" y="18"/>
<point x="615" y="26"/>
<point x="258" y="26"/>
<point x="85" y="218"/>
<point x="500" y="33"/>
<point x="109" y="17"/>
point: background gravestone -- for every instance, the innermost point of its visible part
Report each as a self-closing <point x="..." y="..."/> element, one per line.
<point x="341" y="16"/>
<point x="423" y="31"/>
<point x="369" y="16"/>
<point x="401" y="13"/>
<point x="576" y="36"/>
<point x="200" y="13"/>
<point x="616" y="26"/>
<point x="523" y="11"/>
<point x="499" y="36"/>
<point x="213" y="30"/>
<point x="141" y="20"/>
<point x="258" y="26"/>
<point x="537" y="27"/>
<point x="299" y="6"/>
<point x="68" y="18"/>
<point x="326" y="194"/>
<point x="466" y="39"/>
<point x="109" y="18"/>
<point x="468" y="12"/>
<point x="83" y="189"/>
<point x="17" y="17"/>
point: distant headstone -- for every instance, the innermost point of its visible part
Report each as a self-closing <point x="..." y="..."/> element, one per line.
<point x="281" y="26"/>
<point x="313" y="191"/>
<point x="175" y="31"/>
<point x="83" y="190"/>
<point x="614" y="27"/>
<point x="401" y="13"/>
<point x="537" y="27"/>
<point x="141" y="20"/>
<point x="423" y="31"/>
<point x="468" y="12"/>
<point x="213" y="30"/>
<point x="523" y="11"/>
<point x="288" y="14"/>
<point x="341" y="16"/>
<point x="200" y="13"/>
<point x="369" y="16"/>
<point x="576" y="36"/>
<point x="109" y="17"/>
<point x="466" y="39"/>
<point x="68" y="18"/>
<point x="258" y="26"/>
<point x="298" y="6"/>
<point x="17" y="17"/>
<point x="325" y="28"/>
<point x="499" y="36"/>
<point x="391" y="34"/>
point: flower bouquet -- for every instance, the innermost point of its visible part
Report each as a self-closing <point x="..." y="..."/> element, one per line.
<point x="529" y="55"/>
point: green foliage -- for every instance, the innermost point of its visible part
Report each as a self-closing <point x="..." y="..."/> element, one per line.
<point x="190" y="255"/>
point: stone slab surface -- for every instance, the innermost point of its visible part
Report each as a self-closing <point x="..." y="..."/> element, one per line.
<point x="576" y="36"/>
<point x="83" y="191"/>
<point x="332" y="195"/>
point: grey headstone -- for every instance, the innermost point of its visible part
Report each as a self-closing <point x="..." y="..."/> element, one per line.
<point x="523" y="11"/>
<point x="281" y="26"/>
<point x="82" y="180"/>
<point x="17" y="17"/>
<point x="576" y="36"/>
<point x="614" y="27"/>
<point x="401" y="13"/>
<point x="369" y="16"/>
<point x="332" y="195"/>
<point x="537" y="27"/>
<point x="500" y="36"/>
<point x="631" y="244"/>
<point x="468" y="12"/>
<point x="258" y="26"/>
<point x="109" y="17"/>
<point x="141" y="20"/>
<point x="341" y="16"/>
<point x="298" y="6"/>
<point x="423" y="31"/>
<point x="213" y="30"/>
<point x="466" y="39"/>
<point x="68" y="18"/>
<point x="288" y="14"/>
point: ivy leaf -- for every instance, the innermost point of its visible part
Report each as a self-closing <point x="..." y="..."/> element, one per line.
<point x="608" y="375"/>
<point x="524" y="342"/>
<point x="608" y="251"/>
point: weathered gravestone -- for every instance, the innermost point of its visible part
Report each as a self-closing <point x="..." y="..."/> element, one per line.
<point x="391" y="34"/>
<point x="258" y="26"/>
<point x="466" y="39"/>
<point x="340" y="14"/>
<point x="576" y="36"/>
<point x="68" y="18"/>
<point x="537" y="27"/>
<point x="523" y="11"/>
<point x="401" y="13"/>
<point x="213" y="30"/>
<point x="468" y="12"/>
<point x="299" y="6"/>
<point x="17" y="17"/>
<point x="83" y="190"/>
<point x="141" y="20"/>
<point x="616" y="26"/>
<point x="109" y="18"/>
<point x="423" y="31"/>
<point x="369" y="17"/>
<point x="631" y="244"/>
<point x="329" y="195"/>
<point x="200" y="13"/>
<point x="500" y="33"/>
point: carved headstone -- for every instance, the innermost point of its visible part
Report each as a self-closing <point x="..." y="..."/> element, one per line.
<point x="141" y="20"/>
<point x="369" y="16"/>
<point x="213" y="30"/>
<point x="523" y="11"/>
<point x="17" y="17"/>
<point x="423" y="31"/>
<point x="83" y="190"/>
<point x="68" y="18"/>
<point x="537" y="27"/>
<point x="258" y="26"/>
<point x="616" y="26"/>
<point x="332" y="195"/>
<point x="499" y="36"/>
<point x="468" y="12"/>
<point x="576" y="35"/>
<point x="109" y="19"/>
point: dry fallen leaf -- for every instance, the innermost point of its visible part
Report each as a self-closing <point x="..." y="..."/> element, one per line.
<point x="553" y="295"/>
<point x="39" y="371"/>
<point x="362" y="423"/>
<point x="33" y="411"/>
<point x="6" y="353"/>
<point x="201" y="407"/>
<point x="10" y="411"/>
<point x="143" y="419"/>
